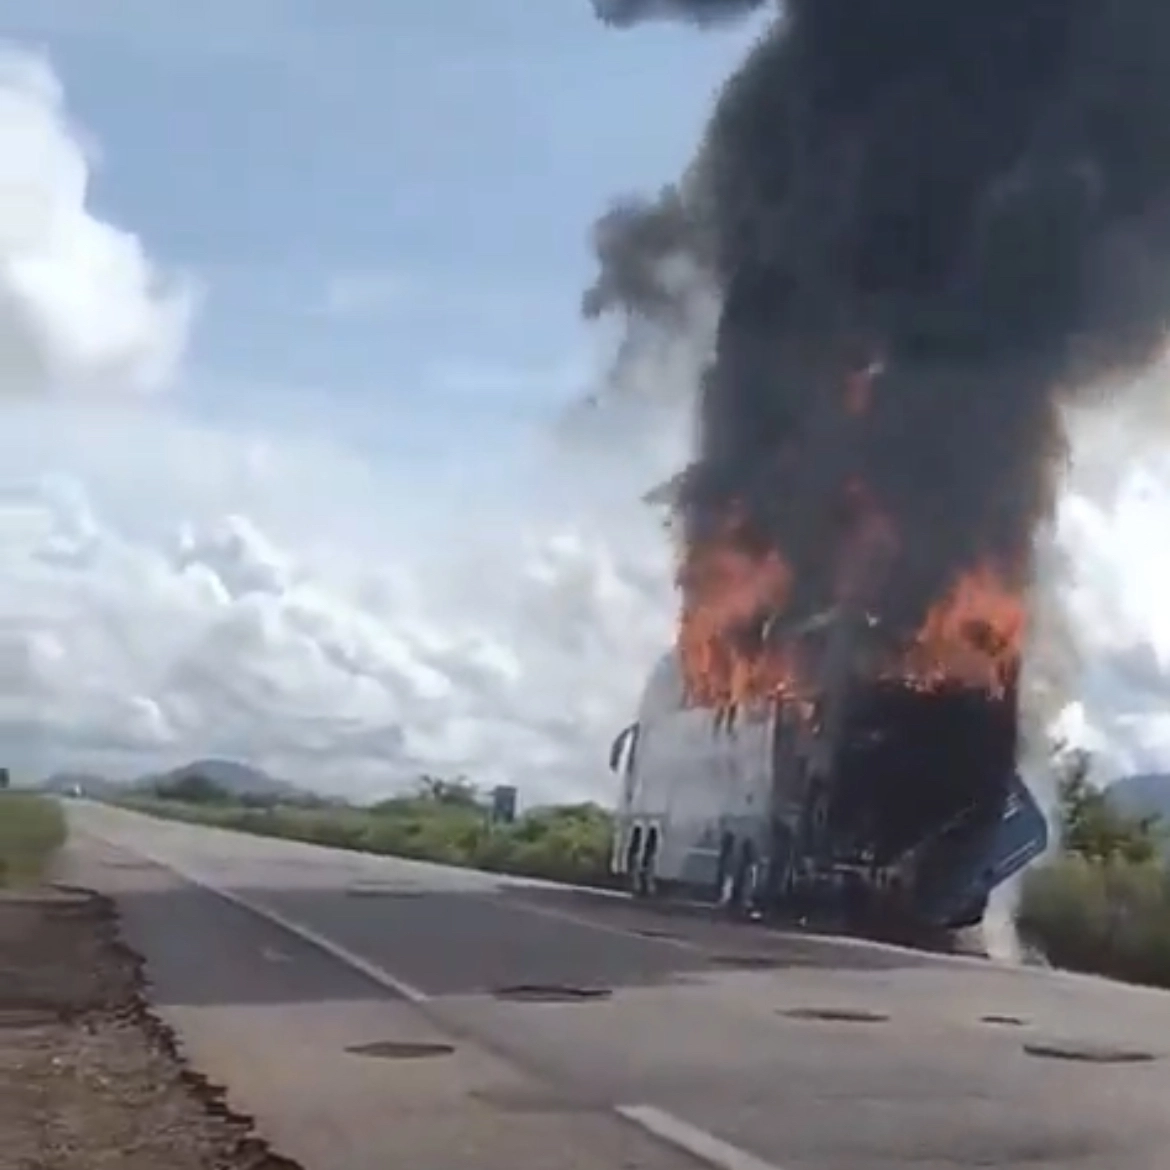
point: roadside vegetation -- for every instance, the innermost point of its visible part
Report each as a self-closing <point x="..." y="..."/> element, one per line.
<point x="32" y="829"/>
<point x="444" y="821"/>
<point x="1102" y="905"/>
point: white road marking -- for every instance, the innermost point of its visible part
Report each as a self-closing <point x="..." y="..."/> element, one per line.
<point x="696" y="1142"/>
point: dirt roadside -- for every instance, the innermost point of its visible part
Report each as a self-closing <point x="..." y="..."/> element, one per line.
<point x="89" y="1079"/>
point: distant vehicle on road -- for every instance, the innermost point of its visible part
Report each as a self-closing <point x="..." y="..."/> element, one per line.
<point x="887" y="808"/>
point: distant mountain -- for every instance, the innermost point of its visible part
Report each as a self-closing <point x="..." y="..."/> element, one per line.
<point x="239" y="780"/>
<point x="1142" y="795"/>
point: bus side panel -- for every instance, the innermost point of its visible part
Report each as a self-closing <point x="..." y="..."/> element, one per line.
<point x="752" y="780"/>
<point x="720" y="783"/>
<point x="690" y="773"/>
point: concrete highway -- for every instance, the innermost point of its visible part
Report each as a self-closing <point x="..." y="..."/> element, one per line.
<point x="371" y="1012"/>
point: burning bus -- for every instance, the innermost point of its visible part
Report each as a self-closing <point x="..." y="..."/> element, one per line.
<point x="930" y="230"/>
<point x="847" y="790"/>
<point x="876" y="806"/>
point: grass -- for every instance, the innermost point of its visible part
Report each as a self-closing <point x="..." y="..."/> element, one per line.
<point x="32" y="829"/>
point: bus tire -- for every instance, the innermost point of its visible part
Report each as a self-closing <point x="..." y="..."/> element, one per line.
<point x="646" y="881"/>
<point x="633" y="859"/>
<point x="745" y="875"/>
<point x="724" y="873"/>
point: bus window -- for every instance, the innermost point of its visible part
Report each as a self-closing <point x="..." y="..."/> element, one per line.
<point x="621" y="753"/>
<point x="724" y="719"/>
<point x="615" y="750"/>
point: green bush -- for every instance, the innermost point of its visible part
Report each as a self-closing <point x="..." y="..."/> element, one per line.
<point x="1103" y="904"/>
<point x="441" y="823"/>
<point x="32" y="829"/>
<point x="566" y="844"/>
<point x="1108" y="917"/>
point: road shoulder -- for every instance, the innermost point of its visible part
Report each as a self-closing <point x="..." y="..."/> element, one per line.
<point x="88" y="1076"/>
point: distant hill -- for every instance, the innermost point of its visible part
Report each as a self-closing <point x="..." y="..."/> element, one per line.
<point x="1143" y="795"/>
<point x="239" y="780"/>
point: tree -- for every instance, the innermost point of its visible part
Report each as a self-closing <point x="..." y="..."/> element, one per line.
<point x="1092" y="827"/>
<point x="457" y="793"/>
<point x="5" y="780"/>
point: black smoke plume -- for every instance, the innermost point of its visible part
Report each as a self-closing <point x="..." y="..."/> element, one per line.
<point x="969" y="197"/>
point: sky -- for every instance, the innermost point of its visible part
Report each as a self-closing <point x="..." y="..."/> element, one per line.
<point x="289" y="327"/>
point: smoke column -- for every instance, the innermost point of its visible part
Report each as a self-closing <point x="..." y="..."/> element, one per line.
<point x="972" y="200"/>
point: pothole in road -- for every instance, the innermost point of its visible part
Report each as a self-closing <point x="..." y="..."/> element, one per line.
<point x="400" y="1050"/>
<point x="1088" y="1053"/>
<point x="551" y="993"/>
<point x="837" y="1015"/>
<point x="651" y="933"/>
<point x="997" y="1019"/>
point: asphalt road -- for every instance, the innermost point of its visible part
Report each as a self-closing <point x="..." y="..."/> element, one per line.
<point x="680" y="1040"/>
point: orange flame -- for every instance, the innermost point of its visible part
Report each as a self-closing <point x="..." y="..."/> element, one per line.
<point x="727" y="590"/>
<point x="973" y="636"/>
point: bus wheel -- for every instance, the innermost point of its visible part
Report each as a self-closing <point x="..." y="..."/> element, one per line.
<point x="742" y="880"/>
<point x="725" y="872"/>
<point x="646" y="880"/>
<point x="633" y="858"/>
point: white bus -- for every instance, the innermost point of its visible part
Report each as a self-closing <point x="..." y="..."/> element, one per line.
<point x="898" y="799"/>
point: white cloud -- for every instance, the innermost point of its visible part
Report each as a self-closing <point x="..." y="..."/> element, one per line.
<point x="281" y="601"/>
<point x="82" y="308"/>
<point x="1115" y="606"/>
<point x="171" y="591"/>
<point x="511" y="646"/>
